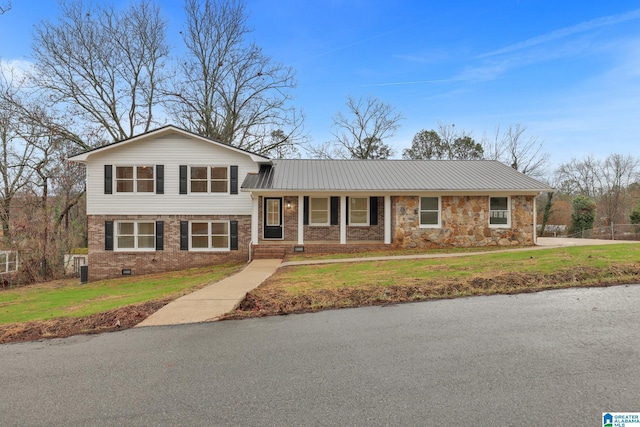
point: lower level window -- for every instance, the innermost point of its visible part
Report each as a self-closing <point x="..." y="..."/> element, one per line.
<point x="210" y="235"/>
<point x="499" y="215"/>
<point x="135" y="235"/>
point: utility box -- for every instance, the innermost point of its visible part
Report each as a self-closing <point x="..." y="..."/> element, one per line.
<point x="84" y="274"/>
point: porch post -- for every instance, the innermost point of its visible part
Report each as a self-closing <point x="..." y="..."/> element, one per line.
<point x="300" y="220"/>
<point x="535" y="222"/>
<point x="343" y="220"/>
<point x="254" y="219"/>
<point x="387" y="220"/>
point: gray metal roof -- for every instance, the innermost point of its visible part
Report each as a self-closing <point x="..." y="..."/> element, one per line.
<point x="391" y="175"/>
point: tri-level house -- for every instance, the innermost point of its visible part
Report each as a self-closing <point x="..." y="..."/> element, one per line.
<point x="170" y="199"/>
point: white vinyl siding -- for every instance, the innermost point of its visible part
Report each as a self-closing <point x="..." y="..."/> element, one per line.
<point x="170" y="151"/>
<point x="430" y="212"/>
<point x="499" y="212"/>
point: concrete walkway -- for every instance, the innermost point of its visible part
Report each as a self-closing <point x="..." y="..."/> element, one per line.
<point x="213" y="301"/>
<point x="219" y="298"/>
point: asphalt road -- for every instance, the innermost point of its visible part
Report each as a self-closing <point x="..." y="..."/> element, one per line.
<point x="556" y="358"/>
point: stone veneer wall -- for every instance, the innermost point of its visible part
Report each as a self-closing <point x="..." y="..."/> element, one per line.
<point x="107" y="264"/>
<point x="323" y="233"/>
<point x="464" y="222"/>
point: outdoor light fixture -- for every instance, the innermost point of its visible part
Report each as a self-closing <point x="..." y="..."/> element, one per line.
<point x="288" y="205"/>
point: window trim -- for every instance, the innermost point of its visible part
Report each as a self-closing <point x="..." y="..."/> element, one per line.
<point x="368" y="204"/>
<point x="209" y="235"/>
<point x="209" y="179"/>
<point x="134" y="179"/>
<point x="439" y="211"/>
<point x="311" y="210"/>
<point x="508" y="211"/>
<point x="116" y="235"/>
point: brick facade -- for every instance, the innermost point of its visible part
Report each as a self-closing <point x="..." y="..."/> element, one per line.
<point x="374" y="233"/>
<point x="104" y="264"/>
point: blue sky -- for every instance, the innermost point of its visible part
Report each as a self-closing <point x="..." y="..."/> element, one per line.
<point x="568" y="70"/>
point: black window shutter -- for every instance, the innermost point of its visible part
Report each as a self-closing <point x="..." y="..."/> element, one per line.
<point x="183" y="179"/>
<point x="234" y="179"/>
<point x="184" y="235"/>
<point x="233" y="234"/>
<point x="159" y="235"/>
<point x="346" y="214"/>
<point x="108" y="179"/>
<point x="306" y="210"/>
<point x="108" y="235"/>
<point x="373" y="211"/>
<point x="335" y="202"/>
<point x="159" y="179"/>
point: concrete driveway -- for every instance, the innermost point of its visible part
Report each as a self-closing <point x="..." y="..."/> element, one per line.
<point x="565" y="241"/>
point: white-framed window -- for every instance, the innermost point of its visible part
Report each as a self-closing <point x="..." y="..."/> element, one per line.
<point x="209" y="179"/>
<point x="209" y="235"/>
<point x="359" y="211"/>
<point x="135" y="236"/>
<point x="319" y="210"/>
<point x="430" y="212"/>
<point x="135" y="179"/>
<point x="499" y="212"/>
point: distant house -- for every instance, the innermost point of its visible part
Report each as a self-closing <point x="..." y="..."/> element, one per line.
<point x="171" y="199"/>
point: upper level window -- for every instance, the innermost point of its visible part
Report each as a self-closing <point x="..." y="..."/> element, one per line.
<point x="319" y="211"/>
<point x="358" y="211"/>
<point x="134" y="179"/>
<point x="209" y="236"/>
<point x="209" y="179"/>
<point x="499" y="212"/>
<point x="429" y="212"/>
<point x="135" y="235"/>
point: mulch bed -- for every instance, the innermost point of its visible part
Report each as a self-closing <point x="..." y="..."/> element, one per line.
<point x="108" y="321"/>
<point x="269" y="299"/>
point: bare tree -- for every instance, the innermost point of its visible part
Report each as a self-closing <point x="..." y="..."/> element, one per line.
<point x="105" y="65"/>
<point x="616" y="174"/>
<point x="5" y="8"/>
<point x="14" y="152"/>
<point x="606" y="181"/>
<point x="580" y="176"/>
<point x="228" y="89"/>
<point x="361" y="131"/>
<point x="517" y="149"/>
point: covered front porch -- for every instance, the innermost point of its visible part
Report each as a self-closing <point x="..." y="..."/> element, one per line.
<point x="321" y="222"/>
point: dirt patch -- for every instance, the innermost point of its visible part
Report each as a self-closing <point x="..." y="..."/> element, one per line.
<point x="108" y="321"/>
<point x="270" y="299"/>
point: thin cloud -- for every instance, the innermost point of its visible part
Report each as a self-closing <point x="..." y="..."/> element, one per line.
<point x="415" y="82"/>
<point x="358" y="42"/>
<point x="565" y="32"/>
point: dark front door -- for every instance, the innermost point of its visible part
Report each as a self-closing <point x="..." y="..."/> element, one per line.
<point x="272" y="218"/>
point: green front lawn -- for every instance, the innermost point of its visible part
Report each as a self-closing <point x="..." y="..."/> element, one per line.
<point x="68" y="298"/>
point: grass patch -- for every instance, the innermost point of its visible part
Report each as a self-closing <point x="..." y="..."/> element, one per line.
<point x="315" y="287"/>
<point x="68" y="298"/>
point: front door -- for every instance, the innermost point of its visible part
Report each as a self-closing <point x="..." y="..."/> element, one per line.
<point x="272" y="218"/>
